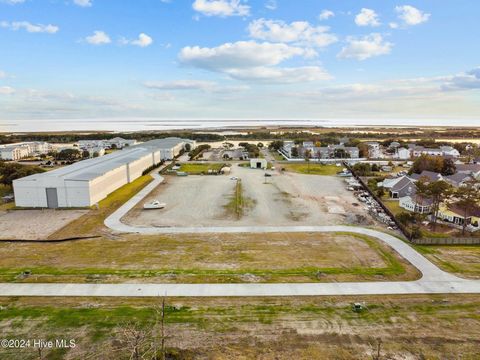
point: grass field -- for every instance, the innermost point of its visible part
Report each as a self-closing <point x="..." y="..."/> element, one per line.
<point x="463" y="261"/>
<point x="217" y="258"/>
<point x="92" y="223"/>
<point x="394" y="206"/>
<point x="410" y="327"/>
<point x="199" y="168"/>
<point x="312" y="169"/>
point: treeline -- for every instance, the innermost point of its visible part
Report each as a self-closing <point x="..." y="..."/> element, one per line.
<point x="14" y="171"/>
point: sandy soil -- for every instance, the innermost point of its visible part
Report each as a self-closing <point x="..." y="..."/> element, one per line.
<point x="286" y="199"/>
<point x="34" y="224"/>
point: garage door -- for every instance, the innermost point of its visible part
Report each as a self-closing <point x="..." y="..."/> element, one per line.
<point x="52" y="198"/>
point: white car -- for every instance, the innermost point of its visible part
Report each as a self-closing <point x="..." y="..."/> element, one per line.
<point x="155" y="204"/>
<point x="234" y="178"/>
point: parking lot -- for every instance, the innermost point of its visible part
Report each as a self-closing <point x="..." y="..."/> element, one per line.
<point x="282" y="199"/>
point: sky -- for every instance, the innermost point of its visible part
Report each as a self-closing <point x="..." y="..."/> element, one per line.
<point x="238" y="59"/>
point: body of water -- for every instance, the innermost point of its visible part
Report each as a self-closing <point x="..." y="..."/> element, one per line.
<point x="157" y="124"/>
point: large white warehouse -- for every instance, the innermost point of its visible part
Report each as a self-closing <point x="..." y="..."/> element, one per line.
<point x="87" y="182"/>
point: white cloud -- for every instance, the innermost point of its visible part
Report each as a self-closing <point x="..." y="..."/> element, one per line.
<point x="185" y="85"/>
<point x="6" y="90"/>
<point x="411" y="15"/>
<point x="326" y="14"/>
<point x="394" y="25"/>
<point x="469" y="80"/>
<point x="367" y="17"/>
<point x="242" y="54"/>
<point x="299" y="32"/>
<point x="271" y="5"/>
<point x="83" y="3"/>
<point x="222" y="8"/>
<point x="29" y="27"/>
<point x="362" y="48"/>
<point x="98" y="38"/>
<point x="280" y="75"/>
<point x="3" y="74"/>
<point x="252" y="61"/>
<point x="143" y="41"/>
<point x="13" y="2"/>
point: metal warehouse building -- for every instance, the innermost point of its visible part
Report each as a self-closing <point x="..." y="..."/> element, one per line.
<point x="87" y="182"/>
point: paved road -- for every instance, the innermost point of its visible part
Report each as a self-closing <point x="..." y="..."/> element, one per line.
<point x="433" y="281"/>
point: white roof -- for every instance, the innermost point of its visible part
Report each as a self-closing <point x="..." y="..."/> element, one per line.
<point x="90" y="169"/>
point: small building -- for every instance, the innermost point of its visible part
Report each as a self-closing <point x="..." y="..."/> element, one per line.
<point x="402" y="153"/>
<point x="417" y="204"/>
<point x="453" y="214"/>
<point x="258" y="164"/>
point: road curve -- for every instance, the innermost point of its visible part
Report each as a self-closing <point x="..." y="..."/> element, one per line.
<point x="433" y="280"/>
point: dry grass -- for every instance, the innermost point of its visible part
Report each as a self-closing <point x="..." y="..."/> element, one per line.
<point x="207" y="258"/>
<point x="410" y="327"/>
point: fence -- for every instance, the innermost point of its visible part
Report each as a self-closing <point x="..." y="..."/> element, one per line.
<point x="447" y="241"/>
<point x="379" y="201"/>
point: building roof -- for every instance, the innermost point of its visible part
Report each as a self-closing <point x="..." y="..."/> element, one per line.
<point x="468" y="168"/>
<point x="458" y="178"/>
<point x="430" y="175"/>
<point x="402" y="184"/>
<point x="459" y="211"/>
<point x="90" y="169"/>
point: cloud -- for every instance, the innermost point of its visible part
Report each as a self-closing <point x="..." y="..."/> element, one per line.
<point x="367" y="17"/>
<point x="242" y="54"/>
<point x="98" y="38"/>
<point x="6" y="90"/>
<point x="222" y="8"/>
<point x="411" y="15"/>
<point x="3" y="74"/>
<point x="143" y="41"/>
<point x="185" y="85"/>
<point x="12" y="2"/>
<point x="326" y="14"/>
<point x="252" y="61"/>
<point x="271" y="5"/>
<point x="469" y="80"/>
<point x="280" y="75"/>
<point x="298" y="32"/>
<point x="83" y="3"/>
<point x="362" y="48"/>
<point x="29" y="27"/>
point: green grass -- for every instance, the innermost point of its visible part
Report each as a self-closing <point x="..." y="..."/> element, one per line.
<point x="238" y="203"/>
<point x="312" y="169"/>
<point x="393" y="206"/>
<point x="199" y="168"/>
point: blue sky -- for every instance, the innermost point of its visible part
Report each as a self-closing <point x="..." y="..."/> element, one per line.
<point x="233" y="59"/>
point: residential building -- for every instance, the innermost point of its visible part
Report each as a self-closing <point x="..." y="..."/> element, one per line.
<point x="316" y="152"/>
<point x="86" y="182"/>
<point x="458" y="179"/>
<point x="404" y="187"/>
<point x="402" y="154"/>
<point x="457" y="216"/>
<point x="441" y="151"/>
<point x="471" y="169"/>
<point x="15" y="152"/>
<point x="428" y="176"/>
<point x="417" y="204"/>
<point x="374" y="150"/>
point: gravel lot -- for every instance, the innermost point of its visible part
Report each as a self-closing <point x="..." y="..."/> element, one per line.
<point x="286" y="199"/>
<point x="34" y="224"/>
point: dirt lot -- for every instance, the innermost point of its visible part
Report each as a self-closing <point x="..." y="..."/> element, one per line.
<point x="406" y="327"/>
<point x="34" y="224"/>
<point x="286" y="199"/>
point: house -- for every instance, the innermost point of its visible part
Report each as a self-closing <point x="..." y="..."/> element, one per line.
<point x="374" y="150"/>
<point x="471" y="169"/>
<point x="402" y="154"/>
<point x="389" y="183"/>
<point x="429" y="176"/>
<point x="14" y="152"/>
<point x="450" y="151"/>
<point x="458" y="179"/>
<point x="441" y="151"/>
<point x="453" y="214"/>
<point x="316" y="152"/>
<point x="417" y="204"/>
<point x="258" y="164"/>
<point x="402" y="188"/>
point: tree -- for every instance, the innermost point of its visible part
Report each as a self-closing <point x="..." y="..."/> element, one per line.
<point x="276" y="145"/>
<point x="85" y="154"/>
<point x="448" y="167"/>
<point x="260" y="145"/>
<point x="188" y="147"/>
<point x="429" y="163"/>
<point x="340" y="154"/>
<point x="308" y="156"/>
<point x="68" y="155"/>
<point x="294" y="152"/>
<point x="14" y="171"/>
<point x="438" y="191"/>
<point x="468" y="198"/>
<point x="96" y="154"/>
